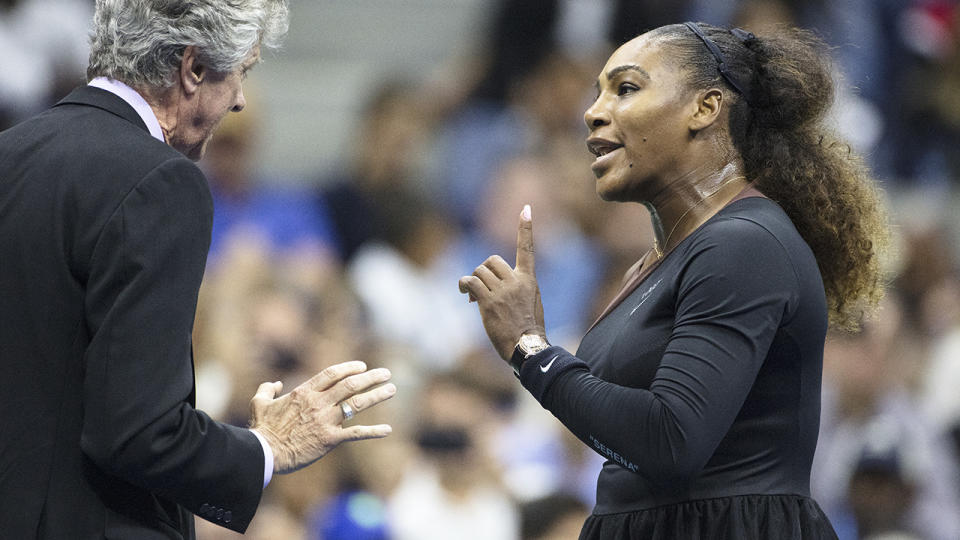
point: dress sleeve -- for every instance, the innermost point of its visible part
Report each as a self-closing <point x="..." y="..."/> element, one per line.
<point x="735" y="289"/>
<point x="139" y="423"/>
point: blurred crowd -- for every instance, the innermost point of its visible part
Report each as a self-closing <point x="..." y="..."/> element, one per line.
<point x="362" y="263"/>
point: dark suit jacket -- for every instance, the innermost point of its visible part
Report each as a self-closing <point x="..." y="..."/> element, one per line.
<point x="104" y="232"/>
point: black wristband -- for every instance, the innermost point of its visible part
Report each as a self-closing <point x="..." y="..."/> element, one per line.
<point x="544" y="367"/>
<point x="516" y="361"/>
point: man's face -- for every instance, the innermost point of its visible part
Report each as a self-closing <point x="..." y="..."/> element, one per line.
<point x="217" y="94"/>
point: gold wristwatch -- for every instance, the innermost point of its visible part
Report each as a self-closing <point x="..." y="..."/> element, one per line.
<point x="529" y="345"/>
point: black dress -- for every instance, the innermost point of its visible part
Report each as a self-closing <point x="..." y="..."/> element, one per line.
<point x="702" y="387"/>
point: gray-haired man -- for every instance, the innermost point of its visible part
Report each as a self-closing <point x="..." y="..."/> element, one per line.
<point x="104" y="228"/>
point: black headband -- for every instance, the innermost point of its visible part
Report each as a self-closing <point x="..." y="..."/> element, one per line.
<point x="742" y="35"/>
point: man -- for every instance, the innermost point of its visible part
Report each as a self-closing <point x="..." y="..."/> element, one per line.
<point x="104" y="229"/>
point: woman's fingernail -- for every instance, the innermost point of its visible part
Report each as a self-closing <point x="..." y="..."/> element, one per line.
<point x="525" y="214"/>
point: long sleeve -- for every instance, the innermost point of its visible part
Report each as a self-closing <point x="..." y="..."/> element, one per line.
<point x="139" y="423"/>
<point x="732" y="294"/>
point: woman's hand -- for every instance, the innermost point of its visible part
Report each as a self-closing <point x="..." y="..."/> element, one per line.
<point x="509" y="298"/>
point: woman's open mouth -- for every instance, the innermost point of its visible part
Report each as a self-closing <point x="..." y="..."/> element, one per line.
<point x="605" y="152"/>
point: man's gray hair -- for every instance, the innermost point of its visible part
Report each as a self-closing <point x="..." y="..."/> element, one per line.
<point x="141" y="42"/>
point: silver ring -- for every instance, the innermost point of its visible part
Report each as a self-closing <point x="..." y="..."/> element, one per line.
<point x="347" y="410"/>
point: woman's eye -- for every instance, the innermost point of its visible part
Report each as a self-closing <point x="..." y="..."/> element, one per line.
<point x="625" y="88"/>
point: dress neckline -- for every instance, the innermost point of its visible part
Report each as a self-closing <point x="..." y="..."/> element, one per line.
<point x="639" y="272"/>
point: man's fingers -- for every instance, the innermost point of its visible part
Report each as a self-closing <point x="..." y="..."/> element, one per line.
<point x="525" y="259"/>
<point x="331" y="375"/>
<point x="359" y="433"/>
<point x="267" y="391"/>
<point x="361" y="402"/>
<point x="356" y="384"/>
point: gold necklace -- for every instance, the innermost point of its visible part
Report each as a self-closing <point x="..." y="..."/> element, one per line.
<point x="658" y="251"/>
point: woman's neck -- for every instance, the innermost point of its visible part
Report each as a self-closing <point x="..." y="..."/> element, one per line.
<point x="685" y="203"/>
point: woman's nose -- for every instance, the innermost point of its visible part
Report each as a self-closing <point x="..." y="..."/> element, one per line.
<point x="596" y="115"/>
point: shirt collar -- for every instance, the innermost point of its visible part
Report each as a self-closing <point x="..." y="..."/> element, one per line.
<point x="133" y="99"/>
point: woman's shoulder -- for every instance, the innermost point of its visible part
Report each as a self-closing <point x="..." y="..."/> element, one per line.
<point x="755" y="221"/>
<point x="752" y="236"/>
<point x="748" y="235"/>
<point x="749" y="219"/>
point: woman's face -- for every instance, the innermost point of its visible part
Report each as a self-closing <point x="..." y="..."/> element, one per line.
<point x="638" y="123"/>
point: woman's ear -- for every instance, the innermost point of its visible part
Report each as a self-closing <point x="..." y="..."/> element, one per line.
<point x="192" y="71"/>
<point x="709" y="104"/>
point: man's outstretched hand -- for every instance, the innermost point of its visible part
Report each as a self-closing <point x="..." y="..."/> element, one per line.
<point x="302" y="426"/>
<point x="508" y="298"/>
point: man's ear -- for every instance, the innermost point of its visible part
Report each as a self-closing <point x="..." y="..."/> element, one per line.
<point x="708" y="106"/>
<point x="192" y="72"/>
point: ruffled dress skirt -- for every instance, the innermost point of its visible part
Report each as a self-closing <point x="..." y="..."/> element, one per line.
<point x="750" y="517"/>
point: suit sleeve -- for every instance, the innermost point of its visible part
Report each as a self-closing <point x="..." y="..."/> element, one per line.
<point x="139" y="422"/>
<point x="733" y="294"/>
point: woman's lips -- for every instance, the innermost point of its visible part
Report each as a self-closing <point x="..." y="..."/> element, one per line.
<point x="603" y="161"/>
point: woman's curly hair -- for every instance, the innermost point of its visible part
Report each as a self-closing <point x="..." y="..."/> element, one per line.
<point x="792" y="157"/>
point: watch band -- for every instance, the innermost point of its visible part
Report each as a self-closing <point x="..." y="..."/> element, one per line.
<point x="527" y="346"/>
<point x="516" y="361"/>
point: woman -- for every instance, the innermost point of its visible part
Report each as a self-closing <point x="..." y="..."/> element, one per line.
<point x="700" y="383"/>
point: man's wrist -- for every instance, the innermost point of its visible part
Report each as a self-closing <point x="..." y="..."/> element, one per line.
<point x="267" y="458"/>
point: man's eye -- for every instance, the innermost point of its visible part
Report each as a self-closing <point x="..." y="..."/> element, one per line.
<point x="625" y="88"/>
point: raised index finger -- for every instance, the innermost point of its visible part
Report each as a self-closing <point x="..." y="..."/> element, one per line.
<point x="525" y="259"/>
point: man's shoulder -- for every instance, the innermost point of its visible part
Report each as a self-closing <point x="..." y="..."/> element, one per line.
<point x="89" y="157"/>
<point x="98" y="128"/>
<point x="91" y="143"/>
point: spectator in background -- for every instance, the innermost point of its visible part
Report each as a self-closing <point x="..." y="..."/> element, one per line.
<point x="478" y="140"/>
<point x="450" y="490"/>
<point x="354" y="515"/>
<point x="554" y="517"/>
<point x="921" y="146"/>
<point x="383" y="166"/>
<point x="928" y="261"/>
<point x="868" y="407"/>
<point x="45" y="48"/>
<point x="262" y="316"/>
<point x="881" y="493"/>
<point x="399" y="282"/>
<point x="888" y="51"/>
<point x="940" y="377"/>
<point x="277" y="216"/>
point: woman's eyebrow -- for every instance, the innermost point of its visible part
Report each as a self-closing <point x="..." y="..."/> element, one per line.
<point x="627" y="67"/>
<point x="621" y="69"/>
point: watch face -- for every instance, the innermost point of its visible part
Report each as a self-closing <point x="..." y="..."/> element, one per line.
<point x="532" y="343"/>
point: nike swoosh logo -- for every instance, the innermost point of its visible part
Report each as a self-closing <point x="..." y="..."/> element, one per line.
<point x="546" y="368"/>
